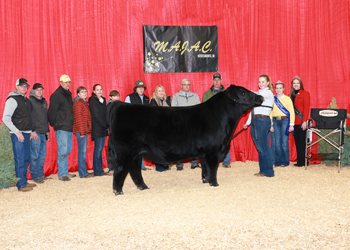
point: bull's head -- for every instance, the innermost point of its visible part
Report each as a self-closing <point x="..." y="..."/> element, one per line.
<point x="244" y="96"/>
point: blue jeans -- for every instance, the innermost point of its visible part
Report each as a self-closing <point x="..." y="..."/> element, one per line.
<point x="263" y="125"/>
<point x="142" y="164"/>
<point x="97" y="162"/>
<point x="282" y="142"/>
<point x="82" y="144"/>
<point x="194" y="162"/>
<point x="273" y="147"/>
<point x="64" y="144"/>
<point x="160" y="167"/>
<point x="37" y="156"/>
<point x="227" y="159"/>
<point x="21" y="153"/>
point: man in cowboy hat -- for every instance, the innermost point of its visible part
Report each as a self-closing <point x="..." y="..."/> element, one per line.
<point x="138" y="97"/>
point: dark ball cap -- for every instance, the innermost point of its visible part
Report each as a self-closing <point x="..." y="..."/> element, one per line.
<point x="21" y="82"/>
<point x="216" y="76"/>
<point x="37" y="86"/>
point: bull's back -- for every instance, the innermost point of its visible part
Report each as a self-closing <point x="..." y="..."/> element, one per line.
<point x="163" y="124"/>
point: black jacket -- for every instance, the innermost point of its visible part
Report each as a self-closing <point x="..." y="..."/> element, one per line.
<point x="39" y="115"/>
<point x="154" y="103"/>
<point x="99" y="123"/>
<point x="60" y="113"/>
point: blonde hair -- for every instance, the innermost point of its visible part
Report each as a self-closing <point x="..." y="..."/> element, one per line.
<point x="154" y="96"/>
<point x="268" y="79"/>
<point x="280" y="83"/>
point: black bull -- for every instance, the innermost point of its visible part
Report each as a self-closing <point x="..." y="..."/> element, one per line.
<point x="166" y="135"/>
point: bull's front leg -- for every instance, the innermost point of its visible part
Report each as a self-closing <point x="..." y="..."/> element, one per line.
<point x="212" y="164"/>
<point x="135" y="173"/>
<point x="119" y="176"/>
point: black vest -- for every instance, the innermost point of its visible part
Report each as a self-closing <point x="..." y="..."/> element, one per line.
<point x="21" y="118"/>
<point x="136" y="99"/>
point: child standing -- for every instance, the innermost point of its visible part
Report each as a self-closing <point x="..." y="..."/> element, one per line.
<point x="283" y="118"/>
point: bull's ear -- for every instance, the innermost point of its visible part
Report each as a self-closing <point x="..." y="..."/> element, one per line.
<point x="231" y="91"/>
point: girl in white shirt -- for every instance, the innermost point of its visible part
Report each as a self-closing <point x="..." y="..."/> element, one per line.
<point x="261" y="125"/>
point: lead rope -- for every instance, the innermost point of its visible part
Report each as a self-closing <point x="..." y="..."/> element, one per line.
<point x="253" y="121"/>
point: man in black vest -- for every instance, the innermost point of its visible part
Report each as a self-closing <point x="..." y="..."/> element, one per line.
<point x="138" y="97"/>
<point x="40" y="128"/>
<point x="17" y="118"/>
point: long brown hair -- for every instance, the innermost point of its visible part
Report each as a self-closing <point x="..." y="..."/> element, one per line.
<point x="291" y="93"/>
<point x="94" y="88"/>
<point x="268" y="80"/>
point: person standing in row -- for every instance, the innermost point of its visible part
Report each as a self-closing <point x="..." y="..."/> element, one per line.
<point x="261" y="124"/>
<point x="159" y="98"/>
<point x="301" y="101"/>
<point x="138" y="97"/>
<point x="182" y="99"/>
<point x="61" y="118"/>
<point x="113" y="97"/>
<point x="99" y="131"/>
<point x="17" y="118"/>
<point x="283" y="118"/>
<point x="215" y="89"/>
<point x="41" y="132"/>
<point x="81" y="128"/>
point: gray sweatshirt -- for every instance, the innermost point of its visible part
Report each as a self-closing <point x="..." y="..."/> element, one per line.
<point x="180" y="100"/>
<point x="10" y="107"/>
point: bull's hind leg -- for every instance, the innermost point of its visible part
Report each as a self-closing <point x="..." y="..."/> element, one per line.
<point x="211" y="163"/>
<point x="135" y="173"/>
<point x="204" y="171"/>
<point x="119" y="176"/>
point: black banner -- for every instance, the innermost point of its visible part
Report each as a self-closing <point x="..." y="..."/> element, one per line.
<point x="180" y="49"/>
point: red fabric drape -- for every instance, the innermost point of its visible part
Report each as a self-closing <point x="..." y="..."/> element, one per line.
<point x="101" y="42"/>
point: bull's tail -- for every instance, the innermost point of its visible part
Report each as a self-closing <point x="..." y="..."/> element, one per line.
<point x="111" y="156"/>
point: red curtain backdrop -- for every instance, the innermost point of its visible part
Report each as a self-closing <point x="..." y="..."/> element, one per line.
<point x="95" y="41"/>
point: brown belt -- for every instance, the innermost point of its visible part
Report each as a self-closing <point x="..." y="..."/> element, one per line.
<point x="280" y="117"/>
<point x="262" y="116"/>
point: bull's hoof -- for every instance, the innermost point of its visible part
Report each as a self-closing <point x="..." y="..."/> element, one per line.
<point x="117" y="193"/>
<point x="214" y="184"/>
<point x="205" y="180"/>
<point x="142" y="187"/>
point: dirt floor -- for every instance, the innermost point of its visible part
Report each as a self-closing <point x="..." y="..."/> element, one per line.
<point x="296" y="209"/>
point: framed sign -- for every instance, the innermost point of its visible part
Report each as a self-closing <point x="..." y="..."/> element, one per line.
<point x="180" y="49"/>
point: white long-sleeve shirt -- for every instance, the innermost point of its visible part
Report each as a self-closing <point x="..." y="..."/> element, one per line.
<point x="268" y="101"/>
